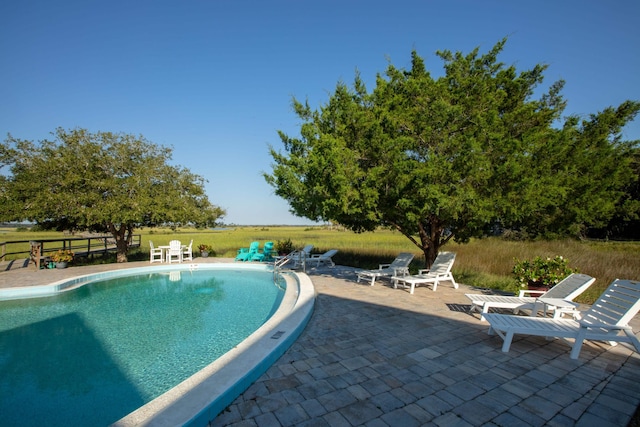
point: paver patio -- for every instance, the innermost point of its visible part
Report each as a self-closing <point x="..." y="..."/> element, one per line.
<point x="378" y="356"/>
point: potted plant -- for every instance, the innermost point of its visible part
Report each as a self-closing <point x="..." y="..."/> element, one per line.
<point x="205" y="250"/>
<point x="541" y="273"/>
<point x="62" y="258"/>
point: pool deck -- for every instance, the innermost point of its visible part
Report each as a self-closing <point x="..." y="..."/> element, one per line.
<point x="378" y="356"/>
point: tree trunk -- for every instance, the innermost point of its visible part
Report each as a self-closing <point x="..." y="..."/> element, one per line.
<point x="430" y="254"/>
<point x="431" y="237"/>
<point x="123" y="248"/>
<point x="122" y="241"/>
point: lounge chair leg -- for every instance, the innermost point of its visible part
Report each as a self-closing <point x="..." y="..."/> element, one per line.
<point x="577" y="344"/>
<point x="535" y="309"/>
<point x="507" y="342"/>
<point x="575" y="349"/>
<point x="633" y="339"/>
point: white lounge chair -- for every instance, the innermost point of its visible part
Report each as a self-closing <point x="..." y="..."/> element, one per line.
<point x="606" y="320"/>
<point x="398" y="267"/>
<point x="440" y="271"/>
<point x="557" y="299"/>
<point x="324" y="258"/>
<point x="155" y="254"/>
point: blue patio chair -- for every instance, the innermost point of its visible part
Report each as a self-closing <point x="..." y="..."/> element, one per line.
<point x="245" y="254"/>
<point x="266" y="254"/>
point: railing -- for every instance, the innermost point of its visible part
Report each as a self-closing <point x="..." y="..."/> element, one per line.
<point x="81" y="246"/>
<point x="278" y="263"/>
<point x="281" y="261"/>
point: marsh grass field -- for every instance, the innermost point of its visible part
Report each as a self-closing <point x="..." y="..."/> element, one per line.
<point x="484" y="263"/>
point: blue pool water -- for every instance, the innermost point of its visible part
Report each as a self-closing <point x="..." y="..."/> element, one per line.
<point x="92" y="355"/>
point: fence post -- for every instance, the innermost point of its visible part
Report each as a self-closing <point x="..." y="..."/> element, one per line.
<point x="36" y="253"/>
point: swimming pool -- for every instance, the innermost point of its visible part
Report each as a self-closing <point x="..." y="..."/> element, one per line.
<point x="193" y="401"/>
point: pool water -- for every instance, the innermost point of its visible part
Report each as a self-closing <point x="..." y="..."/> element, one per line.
<point x="92" y="355"/>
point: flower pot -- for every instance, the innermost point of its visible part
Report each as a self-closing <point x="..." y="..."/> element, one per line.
<point x="204" y="254"/>
<point x="61" y="264"/>
<point x="537" y="286"/>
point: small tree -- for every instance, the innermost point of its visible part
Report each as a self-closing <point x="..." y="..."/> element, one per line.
<point x="450" y="158"/>
<point x="103" y="182"/>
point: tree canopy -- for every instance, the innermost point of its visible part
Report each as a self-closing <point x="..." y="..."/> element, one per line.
<point x="455" y="156"/>
<point x="103" y="181"/>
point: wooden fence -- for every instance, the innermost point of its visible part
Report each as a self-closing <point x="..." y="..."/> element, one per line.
<point x="80" y="246"/>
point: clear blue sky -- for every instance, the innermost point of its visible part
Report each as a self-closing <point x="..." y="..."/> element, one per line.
<point x="214" y="79"/>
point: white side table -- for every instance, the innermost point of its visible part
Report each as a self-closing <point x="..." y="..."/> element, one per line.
<point x="560" y="306"/>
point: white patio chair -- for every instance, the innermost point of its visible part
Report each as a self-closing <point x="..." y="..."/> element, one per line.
<point x="174" y="253"/>
<point x="300" y="256"/>
<point x="606" y="320"/>
<point x="398" y="267"/>
<point x="324" y="258"/>
<point x="558" y="299"/>
<point x="187" y="252"/>
<point x="155" y="254"/>
<point x="440" y="271"/>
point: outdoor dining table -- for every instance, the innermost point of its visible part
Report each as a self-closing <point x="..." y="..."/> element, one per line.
<point x="164" y="249"/>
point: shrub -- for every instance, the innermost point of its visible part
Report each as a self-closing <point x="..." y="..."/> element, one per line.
<point x="284" y="246"/>
<point x="541" y="272"/>
<point x="62" y="256"/>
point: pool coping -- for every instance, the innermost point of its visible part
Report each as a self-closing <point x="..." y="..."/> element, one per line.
<point x="200" y="398"/>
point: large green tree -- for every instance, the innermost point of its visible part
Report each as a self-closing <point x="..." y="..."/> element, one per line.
<point x="103" y="181"/>
<point x="450" y="157"/>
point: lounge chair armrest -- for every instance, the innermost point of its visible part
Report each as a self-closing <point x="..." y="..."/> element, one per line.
<point x="381" y="266"/>
<point x="401" y="271"/>
<point x="605" y="326"/>
<point x="530" y="293"/>
<point x="431" y="273"/>
<point x="423" y="271"/>
<point x="558" y="302"/>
